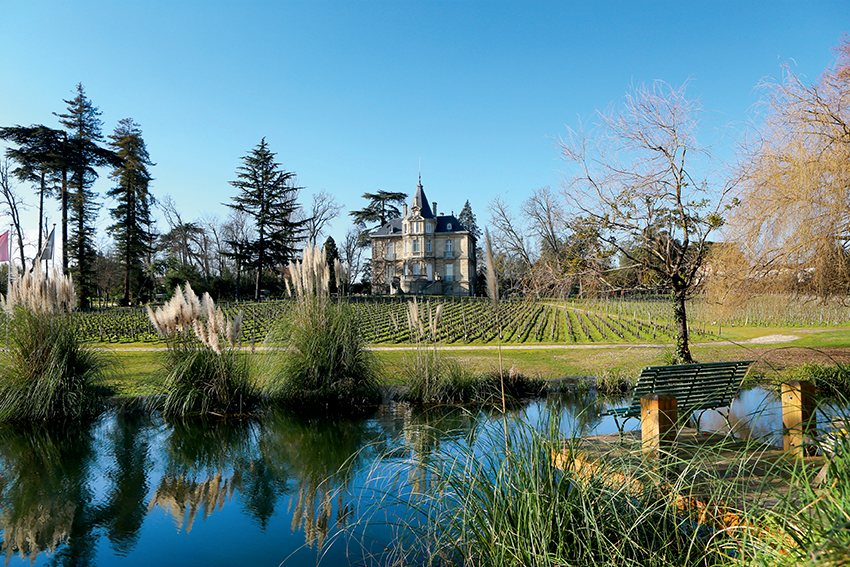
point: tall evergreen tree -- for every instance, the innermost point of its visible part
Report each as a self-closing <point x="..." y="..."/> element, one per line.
<point x="331" y="255"/>
<point x="382" y="207"/>
<point x="78" y="205"/>
<point x="132" y="214"/>
<point x="467" y="219"/>
<point x="268" y="195"/>
<point x="41" y="157"/>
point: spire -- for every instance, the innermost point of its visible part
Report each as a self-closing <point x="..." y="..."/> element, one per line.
<point x="419" y="200"/>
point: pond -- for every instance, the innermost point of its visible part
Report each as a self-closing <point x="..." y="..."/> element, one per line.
<point x="134" y="489"/>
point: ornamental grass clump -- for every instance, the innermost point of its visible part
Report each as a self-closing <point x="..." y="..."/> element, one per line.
<point x="536" y="504"/>
<point x="46" y="373"/>
<point x="321" y="360"/>
<point x="204" y="371"/>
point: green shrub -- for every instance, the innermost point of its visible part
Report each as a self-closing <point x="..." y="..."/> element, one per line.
<point x="320" y="357"/>
<point x="830" y="380"/>
<point x="46" y="374"/>
<point x="204" y="371"/>
<point x="200" y="381"/>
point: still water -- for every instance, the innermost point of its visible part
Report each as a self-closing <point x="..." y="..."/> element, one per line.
<point x="134" y="489"/>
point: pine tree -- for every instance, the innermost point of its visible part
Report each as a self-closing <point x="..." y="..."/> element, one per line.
<point x="467" y="220"/>
<point x="382" y="207"/>
<point x="78" y="205"/>
<point x="132" y="214"/>
<point x="40" y="158"/>
<point x="268" y="195"/>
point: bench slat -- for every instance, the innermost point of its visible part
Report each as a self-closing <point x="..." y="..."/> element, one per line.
<point x="696" y="387"/>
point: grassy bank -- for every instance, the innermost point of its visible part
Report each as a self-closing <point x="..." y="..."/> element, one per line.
<point x="138" y="369"/>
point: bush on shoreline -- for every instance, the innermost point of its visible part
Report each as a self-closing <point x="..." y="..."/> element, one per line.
<point x="204" y="371"/>
<point x="321" y="360"/>
<point x="47" y="374"/>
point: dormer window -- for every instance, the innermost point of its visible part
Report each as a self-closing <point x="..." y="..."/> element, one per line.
<point x="449" y="226"/>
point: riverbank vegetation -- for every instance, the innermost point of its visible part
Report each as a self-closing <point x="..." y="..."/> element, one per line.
<point x="47" y="374"/>
<point x="319" y="357"/>
<point x="543" y="503"/>
<point x="204" y="373"/>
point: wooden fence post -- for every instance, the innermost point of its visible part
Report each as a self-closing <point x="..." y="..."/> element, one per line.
<point x="658" y="417"/>
<point x="798" y="416"/>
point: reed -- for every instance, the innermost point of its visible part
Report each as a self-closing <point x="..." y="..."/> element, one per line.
<point x="320" y="359"/>
<point x="46" y="373"/>
<point x="204" y="371"/>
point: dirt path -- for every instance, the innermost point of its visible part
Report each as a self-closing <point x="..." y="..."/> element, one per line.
<point x="765" y="340"/>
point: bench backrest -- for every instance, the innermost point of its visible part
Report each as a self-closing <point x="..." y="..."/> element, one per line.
<point x="695" y="386"/>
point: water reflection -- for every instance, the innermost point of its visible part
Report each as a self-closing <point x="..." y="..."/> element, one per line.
<point x="135" y="486"/>
<point x="44" y="493"/>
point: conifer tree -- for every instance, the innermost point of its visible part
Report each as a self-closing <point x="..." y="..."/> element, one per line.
<point x="132" y="214"/>
<point x="41" y="156"/>
<point x="78" y="200"/>
<point x="268" y="195"/>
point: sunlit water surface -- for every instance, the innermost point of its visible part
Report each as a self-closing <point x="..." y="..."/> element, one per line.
<point x="134" y="489"/>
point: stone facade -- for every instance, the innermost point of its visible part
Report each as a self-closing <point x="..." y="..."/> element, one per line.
<point x="423" y="253"/>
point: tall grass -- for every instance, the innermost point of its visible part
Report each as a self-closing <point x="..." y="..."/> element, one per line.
<point x="553" y="501"/>
<point x="810" y="525"/>
<point x="46" y="373"/>
<point x="485" y="506"/>
<point x="204" y="371"/>
<point x="321" y="360"/>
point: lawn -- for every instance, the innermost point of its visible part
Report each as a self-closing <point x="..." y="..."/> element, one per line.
<point x="137" y="370"/>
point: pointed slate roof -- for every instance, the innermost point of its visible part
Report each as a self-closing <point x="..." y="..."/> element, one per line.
<point x="421" y="201"/>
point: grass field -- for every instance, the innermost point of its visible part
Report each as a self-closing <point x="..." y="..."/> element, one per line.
<point x="138" y="370"/>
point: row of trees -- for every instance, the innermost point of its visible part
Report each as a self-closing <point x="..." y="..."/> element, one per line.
<point x="64" y="164"/>
<point x="263" y="232"/>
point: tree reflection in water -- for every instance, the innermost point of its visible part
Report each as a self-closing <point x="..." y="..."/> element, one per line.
<point x="44" y="493"/>
<point x="64" y="491"/>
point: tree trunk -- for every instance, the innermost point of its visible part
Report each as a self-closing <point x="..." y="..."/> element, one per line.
<point x="683" y="352"/>
<point x="65" y="221"/>
<point x="40" y="211"/>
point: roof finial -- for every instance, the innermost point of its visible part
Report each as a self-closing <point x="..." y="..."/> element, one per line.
<point x="420" y="171"/>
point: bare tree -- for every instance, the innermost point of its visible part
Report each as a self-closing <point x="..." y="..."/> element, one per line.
<point x="323" y="210"/>
<point x="351" y="253"/>
<point x="635" y="176"/>
<point x="12" y="204"/>
<point x="188" y="241"/>
<point x="792" y="229"/>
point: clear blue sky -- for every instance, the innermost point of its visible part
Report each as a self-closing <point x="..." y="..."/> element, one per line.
<point x="352" y="94"/>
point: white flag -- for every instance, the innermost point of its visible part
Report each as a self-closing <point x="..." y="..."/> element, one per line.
<point x="47" y="251"/>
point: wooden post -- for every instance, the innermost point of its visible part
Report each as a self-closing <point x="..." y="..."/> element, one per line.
<point x="798" y="416"/>
<point x="658" y="416"/>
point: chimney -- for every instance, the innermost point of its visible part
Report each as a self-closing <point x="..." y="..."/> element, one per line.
<point x="434" y="208"/>
<point x="405" y="210"/>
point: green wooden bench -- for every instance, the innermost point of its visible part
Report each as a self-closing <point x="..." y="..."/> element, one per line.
<point x="696" y="387"/>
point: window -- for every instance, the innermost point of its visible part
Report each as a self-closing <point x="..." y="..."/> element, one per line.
<point x="449" y="248"/>
<point x="417" y="227"/>
<point x="449" y="226"/>
<point x="428" y="227"/>
<point x="416" y="269"/>
<point x="389" y="272"/>
<point x="389" y="254"/>
<point x="415" y="245"/>
<point x="406" y="246"/>
<point x="428" y="246"/>
<point x="450" y="272"/>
